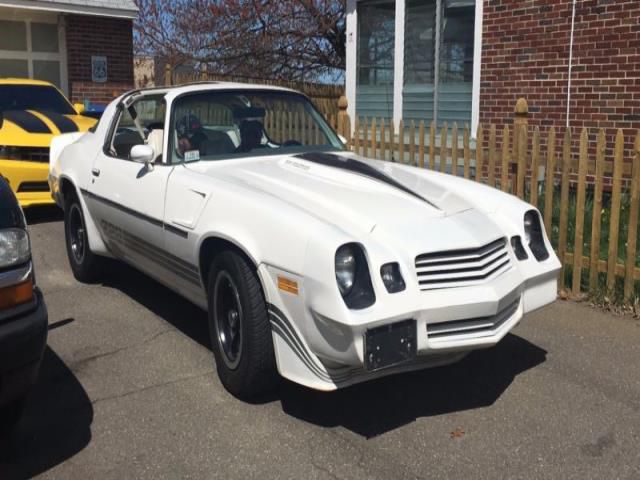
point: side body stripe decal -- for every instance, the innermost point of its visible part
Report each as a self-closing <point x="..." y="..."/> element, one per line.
<point x="138" y="215"/>
<point x="176" y="265"/>
<point x="120" y="240"/>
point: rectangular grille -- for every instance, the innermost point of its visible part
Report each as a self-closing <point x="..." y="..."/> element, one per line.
<point x="461" y="268"/>
<point x="476" y="326"/>
<point x="31" y="154"/>
<point x="33" y="187"/>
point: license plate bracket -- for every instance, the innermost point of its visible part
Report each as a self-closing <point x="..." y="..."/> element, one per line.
<point x="390" y="345"/>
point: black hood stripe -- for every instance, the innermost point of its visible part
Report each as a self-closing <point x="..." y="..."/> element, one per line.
<point x="361" y="168"/>
<point x="61" y="122"/>
<point x="26" y="121"/>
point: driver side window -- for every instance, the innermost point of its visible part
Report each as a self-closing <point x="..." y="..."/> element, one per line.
<point x="148" y="129"/>
<point x="202" y="126"/>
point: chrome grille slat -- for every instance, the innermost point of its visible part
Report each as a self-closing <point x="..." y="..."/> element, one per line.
<point x="448" y="278"/>
<point x="456" y="260"/>
<point x="473" y="325"/>
<point x="462" y="253"/>
<point x="463" y="267"/>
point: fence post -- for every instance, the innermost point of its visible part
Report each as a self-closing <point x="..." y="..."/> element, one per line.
<point x="521" y="112"/>
<point x="167" y="75"/>
<point x="520" y="121"/>
<point x="632" y="240"/>
<point x="342" y="115"/>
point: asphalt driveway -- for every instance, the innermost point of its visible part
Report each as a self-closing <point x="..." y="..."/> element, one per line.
<point x="128" y="390"/>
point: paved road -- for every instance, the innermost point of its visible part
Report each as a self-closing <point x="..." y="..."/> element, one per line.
<point x="128" y="390"/>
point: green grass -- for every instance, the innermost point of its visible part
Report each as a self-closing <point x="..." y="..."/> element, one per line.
<point x="601" y="294"/>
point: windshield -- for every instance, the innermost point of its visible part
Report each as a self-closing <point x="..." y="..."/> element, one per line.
<point x="218" y="125"/>
<point x="34" y="97"/>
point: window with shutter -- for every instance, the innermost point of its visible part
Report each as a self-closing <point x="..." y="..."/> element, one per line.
<point x="376" y="43"/>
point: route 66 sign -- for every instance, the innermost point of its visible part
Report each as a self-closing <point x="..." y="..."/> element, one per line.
<point x="98" y="69"/>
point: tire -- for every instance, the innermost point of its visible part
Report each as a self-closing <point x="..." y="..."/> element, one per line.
<point x="85" y="265"/>
<point x="10" y="416"/>
<point x="239" y="327"/>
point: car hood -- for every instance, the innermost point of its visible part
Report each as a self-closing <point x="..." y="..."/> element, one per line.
<point x="356" y="193"/>
<point x="32" y="128"/>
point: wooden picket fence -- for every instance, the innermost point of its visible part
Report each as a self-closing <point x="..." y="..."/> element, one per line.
<point x="604" y="262"/>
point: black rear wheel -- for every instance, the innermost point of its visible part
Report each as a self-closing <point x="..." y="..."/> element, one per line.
<point x="10" y="415"/>
<point x="239" y="327"/>
<point x="85" y="265"/>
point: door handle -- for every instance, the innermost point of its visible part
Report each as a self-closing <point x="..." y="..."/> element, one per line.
<point x="95" y="172"/>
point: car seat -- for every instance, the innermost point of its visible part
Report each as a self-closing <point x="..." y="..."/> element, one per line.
<point x="155" y="140"/>
<point x="251" y="133"/>
<point x="218" y="143"/>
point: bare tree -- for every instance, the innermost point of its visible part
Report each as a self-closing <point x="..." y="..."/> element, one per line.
<point x="292" y="40"/>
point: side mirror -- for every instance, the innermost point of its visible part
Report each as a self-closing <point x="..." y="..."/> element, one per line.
<point x="142" y="154"/>
<point x="79" y="108"/>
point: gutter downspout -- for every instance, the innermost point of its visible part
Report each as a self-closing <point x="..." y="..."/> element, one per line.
<point x="573" y="23"/>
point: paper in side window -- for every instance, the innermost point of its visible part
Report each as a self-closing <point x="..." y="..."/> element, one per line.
<point x="192" y="155"/>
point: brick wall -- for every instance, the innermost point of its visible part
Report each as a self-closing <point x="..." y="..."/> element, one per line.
<point x="110" y="37"/>
<point x="525" y="53"/>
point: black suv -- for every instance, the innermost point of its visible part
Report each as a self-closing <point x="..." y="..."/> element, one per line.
<point x="23" y="314"/>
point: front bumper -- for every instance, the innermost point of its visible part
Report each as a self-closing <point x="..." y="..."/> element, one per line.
<point x="28" y="180"/>
<point x="328" y="353"/>
<point x="23" y="337"/>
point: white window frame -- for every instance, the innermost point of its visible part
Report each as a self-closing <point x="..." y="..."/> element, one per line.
<point x="398" y="83"/>
<point x="29" y="17"/>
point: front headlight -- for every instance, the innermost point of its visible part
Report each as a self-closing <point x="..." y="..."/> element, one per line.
<point x="345" y="268"/>
<point x="534" y="235"/>
<point x="353" y="278"/>
<point x="14" y="247"/>
<point x="392" y="278"/>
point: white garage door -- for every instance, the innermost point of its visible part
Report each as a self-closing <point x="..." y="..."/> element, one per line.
<point x="32" y="46"/>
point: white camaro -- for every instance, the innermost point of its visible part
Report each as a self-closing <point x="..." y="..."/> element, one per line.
<point x="312" y="262"/>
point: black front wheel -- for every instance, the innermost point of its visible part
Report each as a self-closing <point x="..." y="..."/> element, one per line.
<point x="239" y="327"/>
<point x="85" y="265"/>
<point x="10" y="415"/>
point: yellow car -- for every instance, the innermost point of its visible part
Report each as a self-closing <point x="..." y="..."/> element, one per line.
<point x="32" y="112"/>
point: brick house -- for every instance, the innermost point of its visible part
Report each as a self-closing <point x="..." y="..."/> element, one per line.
<point x="577" y="62"/>
<point x="85" y="47"/>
